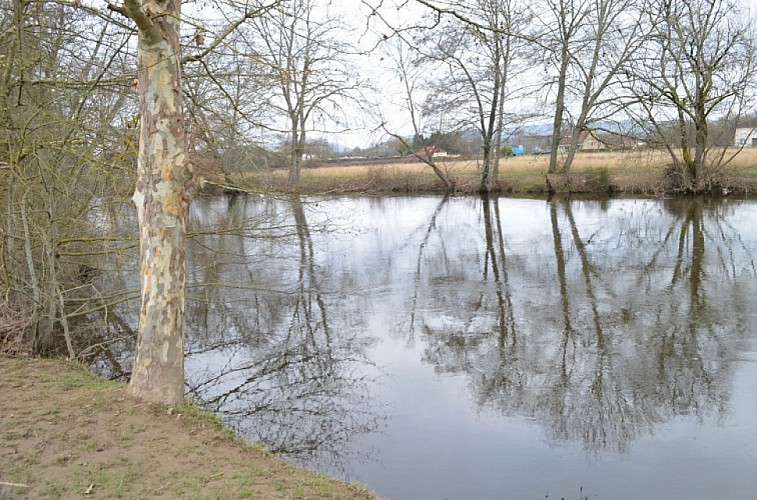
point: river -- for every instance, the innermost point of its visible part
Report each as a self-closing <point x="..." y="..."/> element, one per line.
<point x="458" y="348"/>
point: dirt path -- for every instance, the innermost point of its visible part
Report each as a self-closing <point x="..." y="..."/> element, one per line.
<point x="66" y="433"/>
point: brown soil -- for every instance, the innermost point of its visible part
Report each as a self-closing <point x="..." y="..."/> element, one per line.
<point x="66" y="433"/>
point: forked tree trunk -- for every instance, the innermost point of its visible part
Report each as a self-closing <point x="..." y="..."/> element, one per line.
<point x="162" y="195"/>
<point x="559" y="112"/>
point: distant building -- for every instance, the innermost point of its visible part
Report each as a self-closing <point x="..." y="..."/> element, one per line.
<point x="617" y="142"/>
<point x="587" y="141"/>
<point x="745" y="136"/>
<point x="432" y="151"/>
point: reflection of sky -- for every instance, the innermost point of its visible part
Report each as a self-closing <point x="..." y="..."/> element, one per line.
<point x="444" y="448"/>
<point x="441" y="445"/>
<point x="670" y="385"/>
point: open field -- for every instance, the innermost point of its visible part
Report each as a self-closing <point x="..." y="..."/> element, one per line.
<point x="643" y="160"/>
<point x="512" y="164"/>
<point x="632" y="172"/>
<point x="640" y="172"/>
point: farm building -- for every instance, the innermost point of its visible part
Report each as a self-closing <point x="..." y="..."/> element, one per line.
<point x="745" y="136"/>
<point x="432" y="151"/>
<point x="587" y="141"/>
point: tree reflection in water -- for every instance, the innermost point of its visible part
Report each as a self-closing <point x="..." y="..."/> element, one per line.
<point x="275" y="360"/>
<point x="264" y="347"/>
<point x="610" y="335"/>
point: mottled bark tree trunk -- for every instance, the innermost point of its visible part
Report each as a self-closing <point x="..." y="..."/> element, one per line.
<point x="163" y="192"/>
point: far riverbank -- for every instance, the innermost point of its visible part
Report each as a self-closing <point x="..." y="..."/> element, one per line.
<point x="640" y="173"/>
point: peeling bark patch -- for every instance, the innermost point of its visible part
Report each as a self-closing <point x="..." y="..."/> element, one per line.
<point x="166" y="349"/>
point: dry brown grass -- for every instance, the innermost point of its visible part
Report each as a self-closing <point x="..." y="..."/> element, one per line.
<point x="640" y="172"/>
<point x="643" y="160"/>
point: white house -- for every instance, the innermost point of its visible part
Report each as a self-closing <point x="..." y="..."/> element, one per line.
<point x="746" y="136"/>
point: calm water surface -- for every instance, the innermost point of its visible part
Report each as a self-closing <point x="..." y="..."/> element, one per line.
<point x="505" y="348"/>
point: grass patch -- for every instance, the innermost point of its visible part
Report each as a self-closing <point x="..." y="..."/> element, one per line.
<point x="196" y="415"/>
<point x="54" y="410"/>
<point x="743" y="171"/>
<point x="80" y="378"/>
<point x="55" y="490"/>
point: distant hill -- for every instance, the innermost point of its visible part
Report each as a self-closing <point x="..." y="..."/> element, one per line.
<point x="545" y="129"/>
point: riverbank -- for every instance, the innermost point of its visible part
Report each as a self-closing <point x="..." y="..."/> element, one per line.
<point x="641" y="173"/>
<point x="67" y="433"/>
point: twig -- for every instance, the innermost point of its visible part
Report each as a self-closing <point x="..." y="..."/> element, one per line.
<point x="17" y="485"/>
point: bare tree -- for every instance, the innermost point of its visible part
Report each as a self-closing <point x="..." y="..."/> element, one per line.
<point x="411" y="76"/>
<point x="166" y="183"/>
<point x="698" y="65"/>
<point x="312" y="78"/>
<point x="471" y="59"/>
<point x="62" y="89"/>
<point x="224" y="82"/>
<point x="559" y="34"/>
<point x="165" y="186"/>
<point x="611" y="36"/>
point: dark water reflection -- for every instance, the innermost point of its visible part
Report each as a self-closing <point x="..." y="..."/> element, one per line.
<point x="268" y="347"/>
<point x="485" y="348"/>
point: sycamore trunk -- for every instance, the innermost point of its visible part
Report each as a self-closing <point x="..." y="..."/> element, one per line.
<point x="162" y="196"/>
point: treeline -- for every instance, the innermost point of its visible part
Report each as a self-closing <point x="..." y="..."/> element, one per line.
<point x="672" y="74"/>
